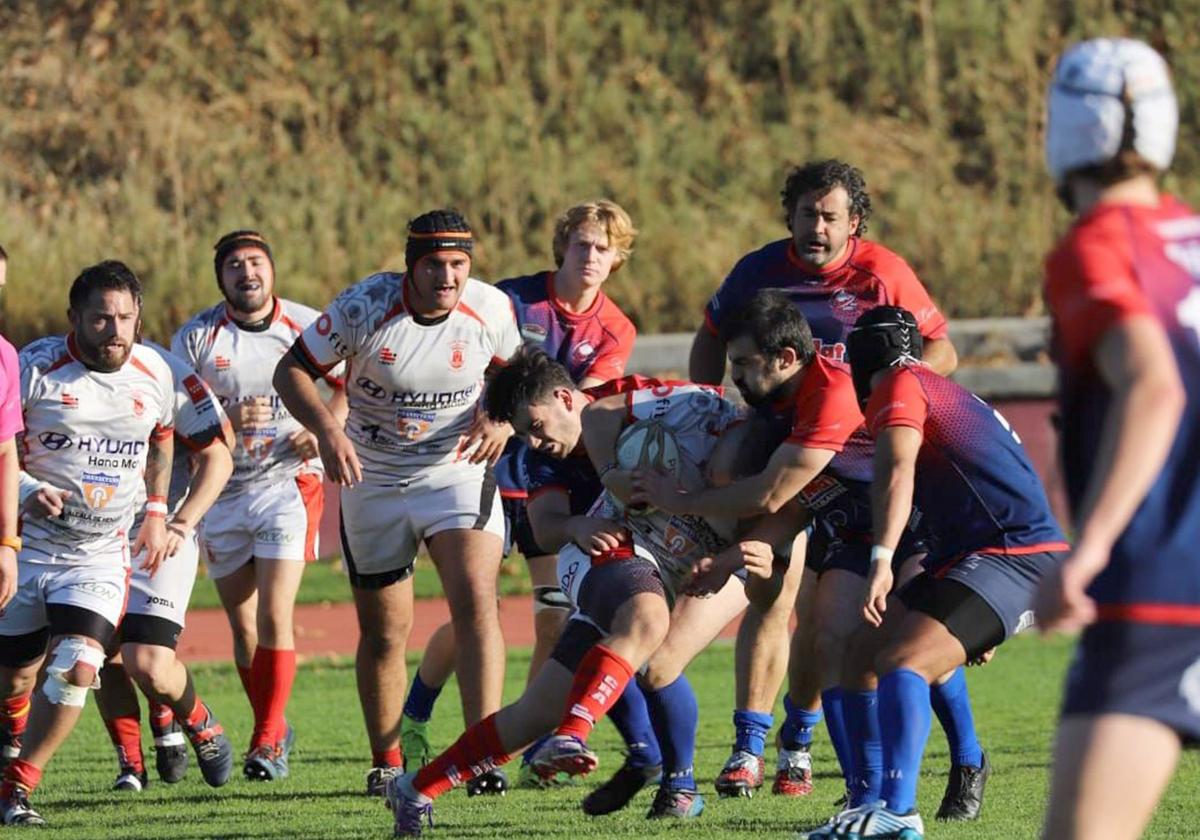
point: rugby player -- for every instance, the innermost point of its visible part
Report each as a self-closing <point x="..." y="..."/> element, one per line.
<point x="947" y="452"/>
<point x="155" y="614"/>
<point x="1123" y="289"/>
<point x="264" y="526"/>
<point x="831" y="274"/>
<point x="98" y="412"/>
<point x="566" y="313"/>
<point x="414" y="461"/>
<point x="623" y="582"/>
<point x="14" y="712"/>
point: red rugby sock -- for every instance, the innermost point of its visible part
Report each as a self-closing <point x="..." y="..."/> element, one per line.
<point x="20" y="773"/>
<point x="477" y="751"/>
<point x="387" y="758"/>
<point x="272" y="672"/>
<point x="126" y="735"/>
<point x="14" y="714"/>
<point x="599" y="681"/>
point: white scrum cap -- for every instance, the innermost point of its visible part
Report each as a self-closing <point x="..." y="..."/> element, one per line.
<point x="1093" y="85"/>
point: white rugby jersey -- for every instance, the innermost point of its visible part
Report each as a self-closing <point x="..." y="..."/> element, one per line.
<point x="88" y="432"/>
<point x="239" y="365"/>
<point x="199" y="422"/>
<point x="697" y="416"/>
<point x="412" y="385"/>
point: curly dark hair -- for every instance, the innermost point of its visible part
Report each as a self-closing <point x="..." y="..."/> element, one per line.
<point x="822" y="176"/>
<point x="530" y="377"/>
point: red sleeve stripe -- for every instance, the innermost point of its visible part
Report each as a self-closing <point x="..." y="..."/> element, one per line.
<point x="302" y="354"/>
<point x="549" y="488"/>
<point x="161" y="433"/>
<point x="709" y="325"/>
<point x="64" y="359"/>
<point x="291" y="325"/>
<point x="137" y="363"/>
<point x="1179" y="615"/>
<point x="471" y="313"/>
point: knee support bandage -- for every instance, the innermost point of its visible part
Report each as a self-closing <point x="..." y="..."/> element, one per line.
<point x="68" y="653"/>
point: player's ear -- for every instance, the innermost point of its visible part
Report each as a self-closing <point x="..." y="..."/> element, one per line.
<point x="855" y="220"/>
<point x="567" y="397"/>
<point x="787" y="358"/>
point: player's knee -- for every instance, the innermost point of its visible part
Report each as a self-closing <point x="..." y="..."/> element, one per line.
<point x="73" y="669"/>
<point x="901" y="655"/>
<point x="150" y="667"/>
<point x="385" y="642"/>
<point x="475" y="617"/>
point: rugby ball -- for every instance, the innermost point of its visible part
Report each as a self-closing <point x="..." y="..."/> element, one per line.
<point x="648" y="444"/>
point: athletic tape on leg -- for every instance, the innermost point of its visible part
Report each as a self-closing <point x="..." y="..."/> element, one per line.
<point x="67" y="654"/>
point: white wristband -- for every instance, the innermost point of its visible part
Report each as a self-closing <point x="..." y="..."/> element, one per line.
<point x="28" y="485"/>
<point x="882" y="554"/>
<point x="158" y="508"/>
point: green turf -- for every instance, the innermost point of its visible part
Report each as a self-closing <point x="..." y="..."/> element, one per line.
<point x="1015" y="698"/>
<point x="325" y="582"/>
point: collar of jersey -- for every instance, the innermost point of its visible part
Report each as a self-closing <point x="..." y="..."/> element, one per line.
<point x="422" y="320"/>
<point x="260" y="325"/>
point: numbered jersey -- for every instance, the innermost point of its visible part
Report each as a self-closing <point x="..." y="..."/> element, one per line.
<point x="238" y="364"/>
<point x="1119" y="262"/>
<point x="975" y="486"/>
<point x="199" y="422"/>
<point x="833" y="298"/>
<point x="413" y="383"/>
<point x="89" y="432"/>
<point x="697" y="416"/>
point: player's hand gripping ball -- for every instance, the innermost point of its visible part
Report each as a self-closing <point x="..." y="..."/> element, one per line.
<point x="648" y="445"/>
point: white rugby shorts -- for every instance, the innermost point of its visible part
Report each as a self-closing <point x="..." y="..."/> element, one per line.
<point x="277" y="522"/>
<point x="382" y="527"/>
<point x="100" y="587"/>
<point x="165" y="595"/>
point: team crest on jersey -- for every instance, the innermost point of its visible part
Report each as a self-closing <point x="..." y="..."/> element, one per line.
<point x="412" y="425"/>
<point x="258" y="443"/>
<point x="458" y="354"/>
<point x="677" y="542"/>
<point x="387" y="356"/>
<point x="99" y="488"/>
<point x="844" y="301"/>
<point x="139" y="404"/>
<point x="584" y="351"/>
<point x="221" y="363"/>
<point x="69" y="400"/>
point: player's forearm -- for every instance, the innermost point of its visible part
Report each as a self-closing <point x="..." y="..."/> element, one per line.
<point x="891" y="501"/>
<point x="299" y="393"/>
<point x="1138" y="431"/>
<point x="706" y="363"/>
<point x="158" y="466"/>
<point x="10" y="482"/>
<point x="602" y="422"/>
<point x="214" y="466"/>
<point x="778" y="529"/>
<point x="940" y="355"/>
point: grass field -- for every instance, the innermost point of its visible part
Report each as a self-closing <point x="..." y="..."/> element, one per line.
<point x="1015" y="698"/>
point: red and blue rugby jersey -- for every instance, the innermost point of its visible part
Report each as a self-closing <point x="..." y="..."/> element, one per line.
<point x="1117" y="262"/>
<point x="596" y="343"/>
<point x="831" y="299"/>
<point x="974" y="485"/>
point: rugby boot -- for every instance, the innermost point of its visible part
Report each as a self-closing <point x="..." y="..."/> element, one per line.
<point x="491" y="783"/>
<point x="378" y="778"/>
<point x="414" y="743"/>
<point x="170" y="752"/>
<point x="678" y="804"/>
<point x="133" y="781"/>
<point x="742" y="774"/>
<point x="615" y="794"/>
<point x="411" y="812"/>
<point x="793" y="774"/>
<point x="964" y="792"/>
<point x="563" y="754"/>
<point x="15" y="810"/>
<point x="214" y="753"/>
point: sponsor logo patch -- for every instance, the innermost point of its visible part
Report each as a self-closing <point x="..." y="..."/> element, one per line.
<point x="222" y="363"/>
<point x="99" y="488"/>
<point x="458" y="354"/>
<point x="387" y="356"/>
<point x="69" y="400"/>
<point x="195" y="388"/>
<point x="55" y="441"/>
<point x="412" y="425"/>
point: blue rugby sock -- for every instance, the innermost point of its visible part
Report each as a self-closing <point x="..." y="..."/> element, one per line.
<point x="904" y="718"/>
<point x="866" y="747"/>
<point x="675" y="716"/>
<point x="419" y="704"/>
<point x="797" y="730"/>
<point x="952" y="705"/>
<point x="833" y="702"/>
<point x="750" y="730"/>
<point x="632" y="719"/>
